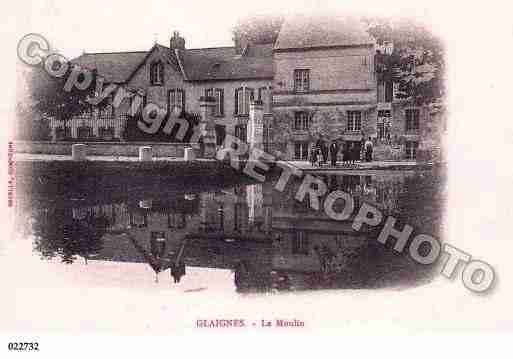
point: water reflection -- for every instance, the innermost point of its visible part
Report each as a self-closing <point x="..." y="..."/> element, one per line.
<point x="268" y="239"/>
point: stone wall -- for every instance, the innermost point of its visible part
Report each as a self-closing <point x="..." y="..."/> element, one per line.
<point x="330" y="69"/>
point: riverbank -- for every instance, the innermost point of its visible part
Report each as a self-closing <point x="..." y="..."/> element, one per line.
<point x="373" y="165"/>
<point x="303" y="165"/>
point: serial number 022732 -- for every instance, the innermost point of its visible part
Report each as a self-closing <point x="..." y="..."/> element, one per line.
<point x="26" y="346"/>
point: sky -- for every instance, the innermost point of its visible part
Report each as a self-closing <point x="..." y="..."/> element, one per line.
<point x="98" y="26"/>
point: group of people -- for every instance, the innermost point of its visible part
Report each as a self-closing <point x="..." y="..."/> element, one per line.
<point x="350" y="152"/>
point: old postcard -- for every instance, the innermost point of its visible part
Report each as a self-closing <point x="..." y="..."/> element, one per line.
<point x="214" y="169"/>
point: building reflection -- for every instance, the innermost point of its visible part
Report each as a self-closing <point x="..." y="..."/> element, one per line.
<point x="267" y="238"/>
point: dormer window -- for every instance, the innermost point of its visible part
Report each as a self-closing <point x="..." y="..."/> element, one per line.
<point x="157" y="73"/>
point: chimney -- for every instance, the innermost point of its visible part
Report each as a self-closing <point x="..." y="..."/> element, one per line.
<point x="177" y="42"/>
<point x="388" y="47"/>
<point x="240" y="45"/>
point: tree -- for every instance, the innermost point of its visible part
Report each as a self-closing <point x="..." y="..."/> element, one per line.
<point x="47" y="98"/>
<point x="256" y="30"/>
<point x="132" y="132"/>
<point x="30" y="127"/>
<point x="417" y="63"/>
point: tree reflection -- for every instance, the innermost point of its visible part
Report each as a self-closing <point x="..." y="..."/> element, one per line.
<point x="59" y="234"/>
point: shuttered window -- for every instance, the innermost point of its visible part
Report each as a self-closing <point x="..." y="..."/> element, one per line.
<point x="243" y="97"/>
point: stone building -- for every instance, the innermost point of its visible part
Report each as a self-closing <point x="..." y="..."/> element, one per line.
<point x="323" y="78"/>
<point x="175" y="78"/>
<point x="329" y="83"/>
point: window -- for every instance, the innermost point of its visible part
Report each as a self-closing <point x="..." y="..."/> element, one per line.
<point x="157" y="73"/>
<point x="411" y="149"/>
<point x="176" y="100"/>
<point x="301" y="122"/>
<point x="265" y="95"/>
<point x="354" y="120"/>
<point x="218" y="94"/>
<point x="301" y="80"/>
<point x="301" y="150"/>
<point x="384" y="123"/>
<point x="210" y="93"/>
<point x="300" y="243"/>
<point x="243" y="97"/>
<point x="412" y="119"/>
<point x="241" y="132"/>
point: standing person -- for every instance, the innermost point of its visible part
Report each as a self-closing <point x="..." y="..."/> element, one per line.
<point x="368" y="150"/>
<point x="318" y="146"/>
<point x="324" y="150"/>
<point x="313" y="156"/>
<point x="318" y="156"/>
<point x="333" y="152"/>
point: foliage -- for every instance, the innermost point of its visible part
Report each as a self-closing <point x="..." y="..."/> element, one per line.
<point x="133" y="133"/>
<point x="417" y="63"/>
<point x="29" y="128"/>
<point x="256" y="30"/>
<point x="47" y="97"/>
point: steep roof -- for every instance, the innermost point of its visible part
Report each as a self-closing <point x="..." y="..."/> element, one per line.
<point x="301" y="31"/>
<point x="225" y="64"/>
<point x="218" y="63"/>
<point x="118" y="66"/>
<point x="113" y="66"/>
